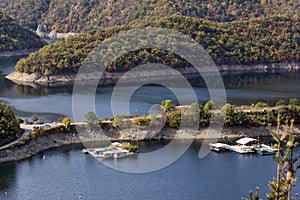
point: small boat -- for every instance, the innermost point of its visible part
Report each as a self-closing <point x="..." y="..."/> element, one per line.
<point x="220" y="147"/>
<point x="242" y="149"/>
<point x="113" y="151"/>
<point x="246" y="145"/>
<point x="121" y="154"/>
<point x="85" y="151"/>
<point x="265" y="150"/>
<point x="97" y="152"/>
<point x="107" y="154"/>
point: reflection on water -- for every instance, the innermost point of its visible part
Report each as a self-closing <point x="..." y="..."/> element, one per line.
<point x="241" y="88"/>
<point x="8" y="175"/>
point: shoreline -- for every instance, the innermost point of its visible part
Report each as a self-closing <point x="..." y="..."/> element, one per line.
<point x="46" y="142"/>
<point x="22" y="52"/>
<point x="110" y="78"/>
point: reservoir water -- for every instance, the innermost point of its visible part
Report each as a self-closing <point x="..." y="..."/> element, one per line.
<point x="67" y="174"/>
<point x="54" y="102"/>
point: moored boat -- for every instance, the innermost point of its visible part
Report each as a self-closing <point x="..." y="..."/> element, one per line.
<point x="115" y="150"/>
<point x="107" y="154"/>
<point x="220" y="147"/>
<point x="265" y="150"/>
<point x="121" y="154"/>
<point x="85" y="151"/>
<point x="242" y="149"/>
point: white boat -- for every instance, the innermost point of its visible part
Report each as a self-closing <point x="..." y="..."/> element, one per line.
<point x="121" y="154"/>
<point x="245" y="145"/>
<point x="107" y="154"/>
<point x="97" y="152"/>
<point x="85" y="151"/>
<point x="265" y="150"/>
<point x="113" y="151"/>
<point x="242" y="149"/>
<point x="220" y="147"/>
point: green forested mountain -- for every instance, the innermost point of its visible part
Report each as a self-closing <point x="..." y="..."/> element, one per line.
<point x="15" y="37"/>
<point x="81" y="15"/>
<point x="261" y="40"/>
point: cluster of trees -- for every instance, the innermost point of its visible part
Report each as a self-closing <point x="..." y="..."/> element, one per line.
<point x="262" y="40"/>
<point x="15" y="37"/>
<point x="130" y="147"/>
<point x="141" y="121"/>
<point x="27" y="13"/>
<point x="259" y="114"/>
<point x="77" y="16"/>
<point x="9" y="124"/>
<point x="191" y="115"/>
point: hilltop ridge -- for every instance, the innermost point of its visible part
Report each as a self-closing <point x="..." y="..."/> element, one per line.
<point x="82" y="15"/>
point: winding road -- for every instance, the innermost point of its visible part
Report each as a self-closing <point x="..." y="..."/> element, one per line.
<point x="25" y="134"/>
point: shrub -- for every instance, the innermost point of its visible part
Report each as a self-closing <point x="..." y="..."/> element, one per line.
<point x="166" y="104"/>
<point x="261" y="105"/>
<point x="294" y="102"/>
<point x="91" y="118"/>
<point x="209" y="105"/>
<point x="66" y="121"/>
<point x="142" y="121"/>
<point x="281" y="102"/>
<point x="130" y="147"/>
<point x="174" y="118"/>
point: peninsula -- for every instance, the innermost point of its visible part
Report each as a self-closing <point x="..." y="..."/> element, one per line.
<point x="243" y="121"/>
<point x="258" y="44"/>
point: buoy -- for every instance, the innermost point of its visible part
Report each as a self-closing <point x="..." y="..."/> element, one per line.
<point x="5" y="193"/>
<point x="79" y="197"/>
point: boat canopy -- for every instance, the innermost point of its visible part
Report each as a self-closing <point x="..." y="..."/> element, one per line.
<point x="246" y="140"/>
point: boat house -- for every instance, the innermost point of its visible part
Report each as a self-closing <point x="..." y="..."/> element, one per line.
<point x="248" y="141"/>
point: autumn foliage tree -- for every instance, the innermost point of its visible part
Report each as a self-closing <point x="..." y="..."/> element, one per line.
<point x="9" y="124"/>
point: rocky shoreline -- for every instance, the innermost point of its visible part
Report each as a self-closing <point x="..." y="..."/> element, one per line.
<point x="43" y="143"/>
<point x="112" y="78"/>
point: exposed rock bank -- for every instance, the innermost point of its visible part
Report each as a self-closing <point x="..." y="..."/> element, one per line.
<point x="42" y="143"/>
<point x="112" y="78"/>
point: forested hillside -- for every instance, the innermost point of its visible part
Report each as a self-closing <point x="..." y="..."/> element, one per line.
<point x="261" y="40"/>
<point x="82" y="15"/>
<point x="14" y="37"/>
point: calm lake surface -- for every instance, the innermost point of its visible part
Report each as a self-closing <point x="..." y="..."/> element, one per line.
<point x="66" y="173"/>
<point x="51" y="103"/>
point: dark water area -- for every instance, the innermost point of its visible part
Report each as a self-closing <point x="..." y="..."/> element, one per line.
<point x="67" y="174"/>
